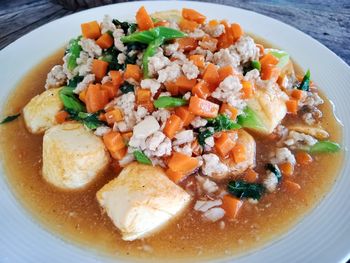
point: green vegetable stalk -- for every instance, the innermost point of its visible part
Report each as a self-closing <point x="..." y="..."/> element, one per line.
<point x="70" y="101"/>
<point x="324" y="147"/>
<point x="150" y="51"/>
<point x="73" y="53"/>
<point x="141" y="157"/>
<point x="249" y="119"/>
<point x="169" y="102"/>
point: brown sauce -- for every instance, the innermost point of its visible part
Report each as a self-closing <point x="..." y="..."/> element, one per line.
<point x="76" y="216"/>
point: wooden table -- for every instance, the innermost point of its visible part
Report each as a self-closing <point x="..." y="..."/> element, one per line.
<point x="328" y="21"/>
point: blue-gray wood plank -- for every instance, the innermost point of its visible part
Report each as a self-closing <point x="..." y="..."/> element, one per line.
<point x="328" y="21"/>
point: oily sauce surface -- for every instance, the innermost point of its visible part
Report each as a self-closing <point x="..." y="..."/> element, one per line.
<point x="77" y="217"/>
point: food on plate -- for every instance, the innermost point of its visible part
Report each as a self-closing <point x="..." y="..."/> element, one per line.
<point x="177" y="127"/>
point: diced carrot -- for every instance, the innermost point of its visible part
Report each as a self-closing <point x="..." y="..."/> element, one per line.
<point x="117" y="78"/>
<point x="176" y="177"/>
<point x="250" y="176"/>
<point x="203" y="108"/>
<point x="172" y="126"/>
<point x="270" y="72"/>
<point x="102" y="117"/>
<point x="110" y="88"/>
<point x="172" y="88"/>
<point x="193" y="15"/>
<point x="99" y="68"/>
<point x="95" y="99"/>
<point x="143" y="19"/>
<point x="229" y="110"/>
<point x="261" y="49"/>
<point x="209" y="43"/>
<point x="148" y="105"/>
<point x="113" y="116"/>
<point x="297" y="94"/>
<point x="82" y="95"/>
<point x="91" y="30"/>
<point x="182" y="163"/>
<point x="61" y="116"/>
<point x="303" y="158"/>
<point x="126" y="136"/>
<point x="143" y="95"/>
<point x="185" y="84"/>
<point x="113" y="141"/>
<point x="105" y="41"/>
<point x="201" y="89"/>
<point x="187" y="43"/>
<point x="236" y="31"/>
<point x="268" y="59"/>
<point x="239" y="153"/>
<point x="247" y="89"/>
<point x="188" y="25"/>
<point x="292" y="106"/>
<point x="290" y="186"/>
<point x="185" y="115"/>
<point x="132" y="72"/>
<point x="198" y="60"/>
<point x="226" y="39"/>
<point x="224" y="144"/>
<point x="231" y="205"/>
<point x="224" y="72"/>
<point x="119" y="154"/>
<point x="211" y="75"/>
<point x="287" y="168"/>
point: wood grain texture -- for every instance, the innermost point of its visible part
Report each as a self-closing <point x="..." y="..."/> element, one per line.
<point x="327" y="21"/>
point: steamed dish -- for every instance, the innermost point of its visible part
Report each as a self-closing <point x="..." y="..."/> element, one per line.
<point x="193" y="115"/>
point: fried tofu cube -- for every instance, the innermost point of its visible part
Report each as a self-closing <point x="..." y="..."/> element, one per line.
<point x="39" y="114"/>
<point x="141" y="200"/>
<point x="72" y="156"/>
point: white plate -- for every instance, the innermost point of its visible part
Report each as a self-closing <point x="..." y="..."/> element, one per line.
<point x="322" y="236"/>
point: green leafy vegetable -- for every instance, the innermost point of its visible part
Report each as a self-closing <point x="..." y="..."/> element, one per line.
<point x="169" y="102"/>
<point x="250" y="119"/>
<point x="126" y="26"/>
<point x="150" y="51"/>
<point x="126" y="88"/>
<point x="90" y="120"/>
<point x="221" y="123"/>
<point x="111" y="56"/>
<point x="73" y="52"/>
<point x="305" y="83"/>
<point x="275" y="170"/>
<point x="325" y="147"/>
<point x="148" y="36"/>
<point x="243" y="189"/>
<point x="74" y="81"/>
<point x="256" y="65"/>
<point x="70" y="100"/>
<point x="10" y="118"/>
<point x="142" y="158"/>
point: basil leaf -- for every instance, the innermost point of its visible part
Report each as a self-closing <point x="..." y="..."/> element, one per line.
<point x="90" y="120"/>
<point x="275" y="170"/>
<point x="169" y="102"/>
<point x="305" y="83"/>
<point x="126" y="88"/>
<point x="325" y="147"/>
<point x="126" y="26"/>
<point x="142" y="158"/>
<point x="243" y="189"/>
<point x="70" y="100"/>
<point x="10" y="118"/>
<point x="221" y="123"/>
<point x="74" y="81"/>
